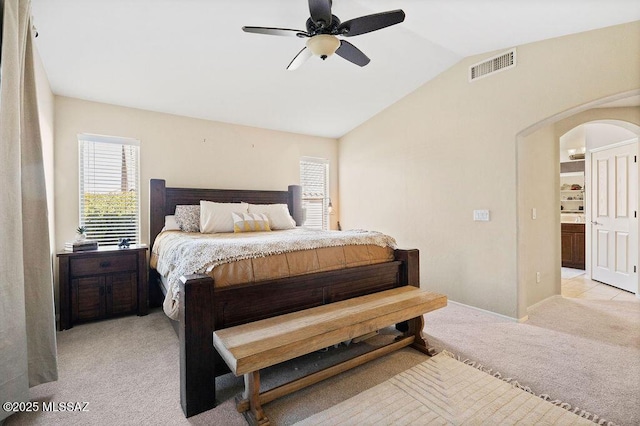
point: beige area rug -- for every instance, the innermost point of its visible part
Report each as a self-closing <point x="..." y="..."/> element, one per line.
<point x="443" y="390"/>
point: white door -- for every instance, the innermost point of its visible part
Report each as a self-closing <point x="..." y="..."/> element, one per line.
<point x="614" y="222"/>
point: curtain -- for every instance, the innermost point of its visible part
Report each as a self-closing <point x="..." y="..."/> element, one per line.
<point x="27" y="320"/>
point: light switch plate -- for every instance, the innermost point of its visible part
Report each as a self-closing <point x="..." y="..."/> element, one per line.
<point x="481" y="215"/>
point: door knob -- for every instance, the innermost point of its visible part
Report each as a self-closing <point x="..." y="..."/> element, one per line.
<point x="595" y="223"/>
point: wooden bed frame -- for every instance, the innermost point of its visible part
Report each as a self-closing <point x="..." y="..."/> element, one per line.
<point x="204" y="308"/>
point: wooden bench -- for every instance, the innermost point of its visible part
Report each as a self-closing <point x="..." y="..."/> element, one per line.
<point x="250" y="347"/>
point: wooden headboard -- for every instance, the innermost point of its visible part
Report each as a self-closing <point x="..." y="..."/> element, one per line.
<point x="163" y="201"/>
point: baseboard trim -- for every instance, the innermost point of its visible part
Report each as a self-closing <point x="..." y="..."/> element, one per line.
<point x="488" y="312"/>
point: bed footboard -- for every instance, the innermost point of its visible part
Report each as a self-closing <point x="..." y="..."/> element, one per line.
<point x="197" y="355"/>
<point x="204" y="309"/>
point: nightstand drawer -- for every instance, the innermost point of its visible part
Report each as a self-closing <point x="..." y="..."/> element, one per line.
<point x="103" y="264"/>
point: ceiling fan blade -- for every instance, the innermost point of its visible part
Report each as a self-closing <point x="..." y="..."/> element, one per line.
<point x="300" y="59"/>
<point x="276" y="31"/>
<point x="352" y="54"/>
<point x="368" y="23"/>
<point x="320" y="11"/>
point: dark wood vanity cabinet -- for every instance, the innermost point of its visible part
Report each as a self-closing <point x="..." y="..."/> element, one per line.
<point x="102" y="283"/>
<point x="573" y="245"/>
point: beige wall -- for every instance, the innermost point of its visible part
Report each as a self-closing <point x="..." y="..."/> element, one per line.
<point x="419" y="169"/>
<point x="184" y="151"/>
<point x="539" y="248"/>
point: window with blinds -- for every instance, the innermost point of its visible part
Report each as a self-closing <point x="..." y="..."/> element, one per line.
<point x="109" y="188"/>
<point x="314" y="179"/>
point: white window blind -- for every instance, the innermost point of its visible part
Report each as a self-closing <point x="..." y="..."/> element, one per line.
<point x="314" y="179"/>
<point x="109" y="188"/>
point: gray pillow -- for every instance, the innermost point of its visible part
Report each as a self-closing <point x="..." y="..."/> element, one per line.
<point x="188" y="218"/>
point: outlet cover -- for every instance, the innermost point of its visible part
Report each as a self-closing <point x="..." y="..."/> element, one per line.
<point x="481" y="215"/>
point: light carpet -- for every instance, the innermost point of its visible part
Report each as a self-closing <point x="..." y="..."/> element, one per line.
<point x="585" y="353"/>
<point x="443" y="390"/>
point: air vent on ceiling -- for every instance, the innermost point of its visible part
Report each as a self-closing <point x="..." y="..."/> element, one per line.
<point x="492" y="65"/>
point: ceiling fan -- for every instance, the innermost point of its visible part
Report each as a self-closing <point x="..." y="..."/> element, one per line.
<point x="323" y="29"/>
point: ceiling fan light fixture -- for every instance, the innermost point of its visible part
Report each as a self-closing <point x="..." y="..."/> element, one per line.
<point x="323" y="45"/>
<point x="322" y="27"/>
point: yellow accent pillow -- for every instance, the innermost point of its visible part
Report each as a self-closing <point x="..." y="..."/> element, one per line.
<point x="250" y="222"/>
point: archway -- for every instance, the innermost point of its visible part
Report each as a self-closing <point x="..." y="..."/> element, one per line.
<point x="538" y="196"/>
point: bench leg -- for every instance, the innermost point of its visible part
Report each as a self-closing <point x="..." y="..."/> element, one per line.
<point x="420" y="343"/>
<point x="253" y="413"/>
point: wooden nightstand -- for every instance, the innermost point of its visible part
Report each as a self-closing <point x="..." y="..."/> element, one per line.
<point x="102" y="283"/>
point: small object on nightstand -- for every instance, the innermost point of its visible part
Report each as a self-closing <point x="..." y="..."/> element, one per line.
<point x="81" y="233"/>
<point x="124" y="242"/>
<point x="81" y="245"/>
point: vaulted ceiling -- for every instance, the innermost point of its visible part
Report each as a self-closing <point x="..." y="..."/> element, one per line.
<point x="191" y="58"/>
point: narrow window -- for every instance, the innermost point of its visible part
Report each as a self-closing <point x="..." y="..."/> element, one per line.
<point x="109" y="188"/>
<point x="314" y="179"/>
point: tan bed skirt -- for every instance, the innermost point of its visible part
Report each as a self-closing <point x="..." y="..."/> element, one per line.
<point x="295" y="263"/>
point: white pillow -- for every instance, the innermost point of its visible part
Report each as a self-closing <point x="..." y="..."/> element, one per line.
<point x="170" y="223"/>
<point x="216" y="217"/>
<point x="278" y="214"/>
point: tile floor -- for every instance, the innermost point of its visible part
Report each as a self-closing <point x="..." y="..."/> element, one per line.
<point x="576" y="285"/>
